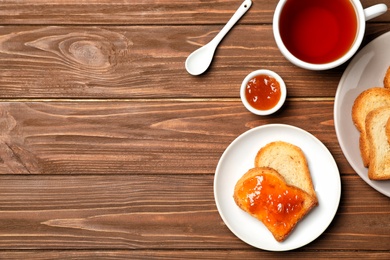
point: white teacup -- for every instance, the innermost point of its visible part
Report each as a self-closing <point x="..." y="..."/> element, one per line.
<point x="295" y="52"/>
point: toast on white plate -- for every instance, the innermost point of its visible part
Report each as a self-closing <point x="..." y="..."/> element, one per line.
<point x="264" y="194"/>
<point x="366" y="102"/>
<point x="379" y="168"/>
<point x="290" y="161"/>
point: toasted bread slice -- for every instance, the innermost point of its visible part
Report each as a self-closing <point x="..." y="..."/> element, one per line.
<point x="367" y="101"/>
<point x="263" y="193"/>
<point x="379" y="168"/>
<point x="388" y="130"/>
<point x="290" y="161"/>
<point x="386" y="80"/>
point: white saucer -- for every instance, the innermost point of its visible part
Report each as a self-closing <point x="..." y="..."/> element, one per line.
<point x="239" y="157"/>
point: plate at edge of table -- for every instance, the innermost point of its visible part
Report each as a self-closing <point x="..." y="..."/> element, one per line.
<point x="239" y="157"/>
<point x="367" y="69"/>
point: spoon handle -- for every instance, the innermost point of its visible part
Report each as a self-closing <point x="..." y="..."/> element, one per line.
<point x="233" y="20"/>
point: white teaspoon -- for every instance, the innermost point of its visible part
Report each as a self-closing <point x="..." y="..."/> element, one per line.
<point x="198" y="61"/>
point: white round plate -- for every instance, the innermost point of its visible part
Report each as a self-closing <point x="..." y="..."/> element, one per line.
<point x="367" y="69"/>
<point x="239" y="157"/>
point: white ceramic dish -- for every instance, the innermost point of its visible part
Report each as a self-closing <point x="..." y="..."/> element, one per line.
<point x="367" y="69"/>
<point x="283" y="92"/>
<point x="239" y="157"/>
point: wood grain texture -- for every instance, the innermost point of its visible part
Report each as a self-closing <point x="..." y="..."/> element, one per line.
<point x="108" y="147"/>
<point x="157" y="212"/>
<point x="190" y="254"/>
<point x="148" y="137"/>
<point x="145" y="62"/>
<point x="150" y="12"/>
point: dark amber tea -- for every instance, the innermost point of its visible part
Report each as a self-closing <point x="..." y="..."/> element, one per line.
<point x="318" y="31"/>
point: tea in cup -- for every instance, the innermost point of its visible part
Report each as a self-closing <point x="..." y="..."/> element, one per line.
<point x="321" y="34"/>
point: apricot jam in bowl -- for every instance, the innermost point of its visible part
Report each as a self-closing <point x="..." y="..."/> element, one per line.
<point x="263" y="92"/>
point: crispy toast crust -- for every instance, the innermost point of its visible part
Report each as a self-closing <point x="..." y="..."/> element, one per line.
<point x="290" y="161"/>
<point x="388" y="130"/>
<point x="367" y="101"/>
<point x="386" y="80"/>
<point x="376" y="122"/>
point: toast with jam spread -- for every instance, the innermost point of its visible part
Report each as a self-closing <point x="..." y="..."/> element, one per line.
<point x="290" y="161"/>
<point x="264" y="194"/>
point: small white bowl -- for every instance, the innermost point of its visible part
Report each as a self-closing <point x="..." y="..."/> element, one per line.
<point x="283" y="92"/>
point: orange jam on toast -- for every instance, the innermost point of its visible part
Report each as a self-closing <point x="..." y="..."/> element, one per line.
<point x="272" y="201"/>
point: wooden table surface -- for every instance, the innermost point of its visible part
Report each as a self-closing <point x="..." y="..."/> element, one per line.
<point x="108" y="147"/>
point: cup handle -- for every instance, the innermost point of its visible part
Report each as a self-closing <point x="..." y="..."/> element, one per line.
<point x="374" y="11"/>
